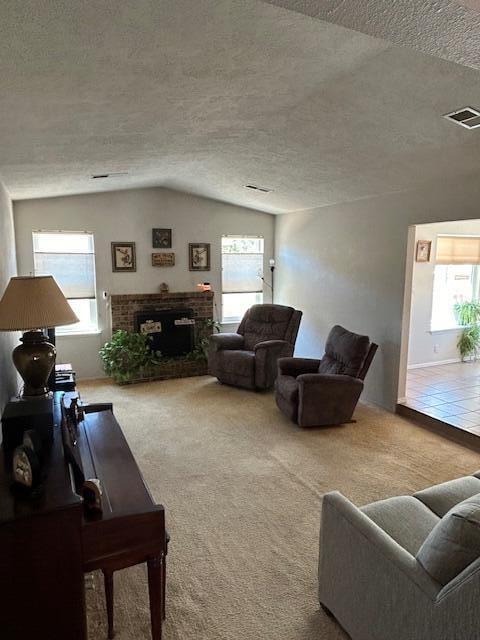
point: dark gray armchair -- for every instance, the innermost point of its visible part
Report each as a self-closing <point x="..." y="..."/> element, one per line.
<point x="323" y="392"/>
<point x="249" y="357"/>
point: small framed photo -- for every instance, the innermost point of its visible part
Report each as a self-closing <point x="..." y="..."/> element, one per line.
<point x="123" y="256"/>
<point x="163" y="259"/>
<point x="162" y="238"/>
<point x="199" y="256"/>
<point x="423" y="251"/>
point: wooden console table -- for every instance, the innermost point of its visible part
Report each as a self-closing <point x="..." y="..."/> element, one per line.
<point x="47" y="544"/>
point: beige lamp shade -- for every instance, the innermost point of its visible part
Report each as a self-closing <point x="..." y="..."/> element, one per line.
<point x="34" y="302"/>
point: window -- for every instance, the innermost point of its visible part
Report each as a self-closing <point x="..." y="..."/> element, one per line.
<point x="70" y="259"/>
<point x="456" y="278"/>
<point x="242" y="271"/>
<point x="452" y="284"/>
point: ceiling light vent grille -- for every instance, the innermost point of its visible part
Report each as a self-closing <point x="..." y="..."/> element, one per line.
<point x="103" y="176"/>
<point x="466" y="117"/>
<point x="254" y="187"/>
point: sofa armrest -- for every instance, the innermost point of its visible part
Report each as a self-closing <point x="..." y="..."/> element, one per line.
<point x="296" y="366"/>
<point x="222" y="341"/>
<point x="329" y="380"/>
<point x="326" y="398"/>
<point x="339" y="513"/>
<point x="266" y="356"/>
<point x="271" y="345"/>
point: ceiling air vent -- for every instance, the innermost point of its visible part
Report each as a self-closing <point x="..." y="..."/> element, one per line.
<point x="254" y="187"/>
<point x="466" y="117"/>
<point x="114" y="174"/>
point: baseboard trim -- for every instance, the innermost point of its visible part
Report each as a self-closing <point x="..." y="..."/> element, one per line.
<point x="435" y="363"/>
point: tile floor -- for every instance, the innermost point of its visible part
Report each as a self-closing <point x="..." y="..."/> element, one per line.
<point x="449" y="392"/>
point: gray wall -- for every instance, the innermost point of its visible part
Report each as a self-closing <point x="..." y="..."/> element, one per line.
<point x="346" y="264"/>
<point x="130" y="216"/>
<point x="8" y="376"/>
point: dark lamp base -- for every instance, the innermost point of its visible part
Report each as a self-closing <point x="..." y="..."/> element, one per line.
<point x="34" y="360"/>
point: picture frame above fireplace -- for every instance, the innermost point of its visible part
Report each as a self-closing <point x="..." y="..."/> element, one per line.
<point x="162" y="238"/>
<point x="124" y="257"/>
<point x="163" y="259"/>
<point x="199" y="256"/>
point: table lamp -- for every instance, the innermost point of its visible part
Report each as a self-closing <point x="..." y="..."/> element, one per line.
<point x="30" y="304"/>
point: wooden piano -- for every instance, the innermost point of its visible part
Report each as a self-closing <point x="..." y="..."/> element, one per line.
<point x="47" y="543"/>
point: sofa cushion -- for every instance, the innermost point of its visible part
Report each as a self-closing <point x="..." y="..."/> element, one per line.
<point x="454" y="542"/>
<point x="265" y="322"/>
<point x="442" y="497"/>
<point x="238" y="363"/>
<point x="287" y="387"/>
<point x="404" y="518"/>
<point x="345" y="352"/>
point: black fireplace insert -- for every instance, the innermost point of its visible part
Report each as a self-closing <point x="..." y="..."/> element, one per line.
<point x="172" y="330"/>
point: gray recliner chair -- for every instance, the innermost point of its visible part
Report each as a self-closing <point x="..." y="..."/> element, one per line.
<point x="249" y="357"/>
<point x="324" y="392"/>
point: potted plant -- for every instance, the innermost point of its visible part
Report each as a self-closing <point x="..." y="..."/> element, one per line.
<point x="127" y="354"/>
<point x="468" y="316"/>
<point x="204" y="330"/>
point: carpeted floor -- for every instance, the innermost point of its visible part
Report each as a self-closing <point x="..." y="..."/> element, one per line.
<point x="242" y="487"/>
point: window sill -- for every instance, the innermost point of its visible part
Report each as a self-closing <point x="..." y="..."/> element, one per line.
<point x="96" y="332"/>
<point x="446" y="330"/>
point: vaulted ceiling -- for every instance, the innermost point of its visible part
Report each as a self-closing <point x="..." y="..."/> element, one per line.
<point x="205" y="96"/>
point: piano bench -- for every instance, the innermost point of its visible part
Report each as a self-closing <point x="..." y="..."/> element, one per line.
<point x="108" y="581"/>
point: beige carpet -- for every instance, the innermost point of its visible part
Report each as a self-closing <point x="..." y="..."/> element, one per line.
<point x="242" y="487"/>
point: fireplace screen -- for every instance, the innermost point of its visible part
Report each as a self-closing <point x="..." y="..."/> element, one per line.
<point x="172" y="330"/>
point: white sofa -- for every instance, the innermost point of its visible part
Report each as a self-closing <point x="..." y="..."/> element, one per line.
<point x="371" y="581"/>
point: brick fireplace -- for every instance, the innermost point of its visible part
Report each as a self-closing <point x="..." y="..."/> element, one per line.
<point x="124" y="309"/>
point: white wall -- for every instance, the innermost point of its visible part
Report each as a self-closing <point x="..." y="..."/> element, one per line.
<point x="425" y="346"/>
<point x="130" y="216"/>
<point x="8" y="267"/>
<point x="346" y="264"/>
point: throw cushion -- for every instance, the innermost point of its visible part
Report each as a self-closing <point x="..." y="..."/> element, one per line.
<point x="453" y="543"/>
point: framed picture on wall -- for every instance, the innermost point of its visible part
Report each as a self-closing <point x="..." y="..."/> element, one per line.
<point x="123" y="256"/>
<point x="163" y="259"/>
<point x="162" y="238"/>
<point x="423" y="251"/>
<point x="199" y="256"/>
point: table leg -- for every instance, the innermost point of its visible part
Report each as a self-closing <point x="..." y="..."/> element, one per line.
<point x="108" y="578"/>
<point x="164" y="587"/>
<point x="155" y="589"/>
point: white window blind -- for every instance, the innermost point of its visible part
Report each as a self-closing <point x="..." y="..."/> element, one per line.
<point x="70" y="258"/>
<point x="458" y="250"/>
<point x="242" y="271"/>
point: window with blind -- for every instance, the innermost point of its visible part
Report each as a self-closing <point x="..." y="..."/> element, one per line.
<point x="456" y="278"/>
<point x="242" y="271"/>
<point x="70" y="258"/>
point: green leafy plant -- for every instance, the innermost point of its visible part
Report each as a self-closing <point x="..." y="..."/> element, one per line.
<point x="127" y="354"/>
<point x="204" y="330"/>
<point x="468" y="316"/>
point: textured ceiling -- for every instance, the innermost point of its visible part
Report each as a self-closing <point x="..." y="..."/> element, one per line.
<point x="449" y="29"/>
<point x="205" y="96"/>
